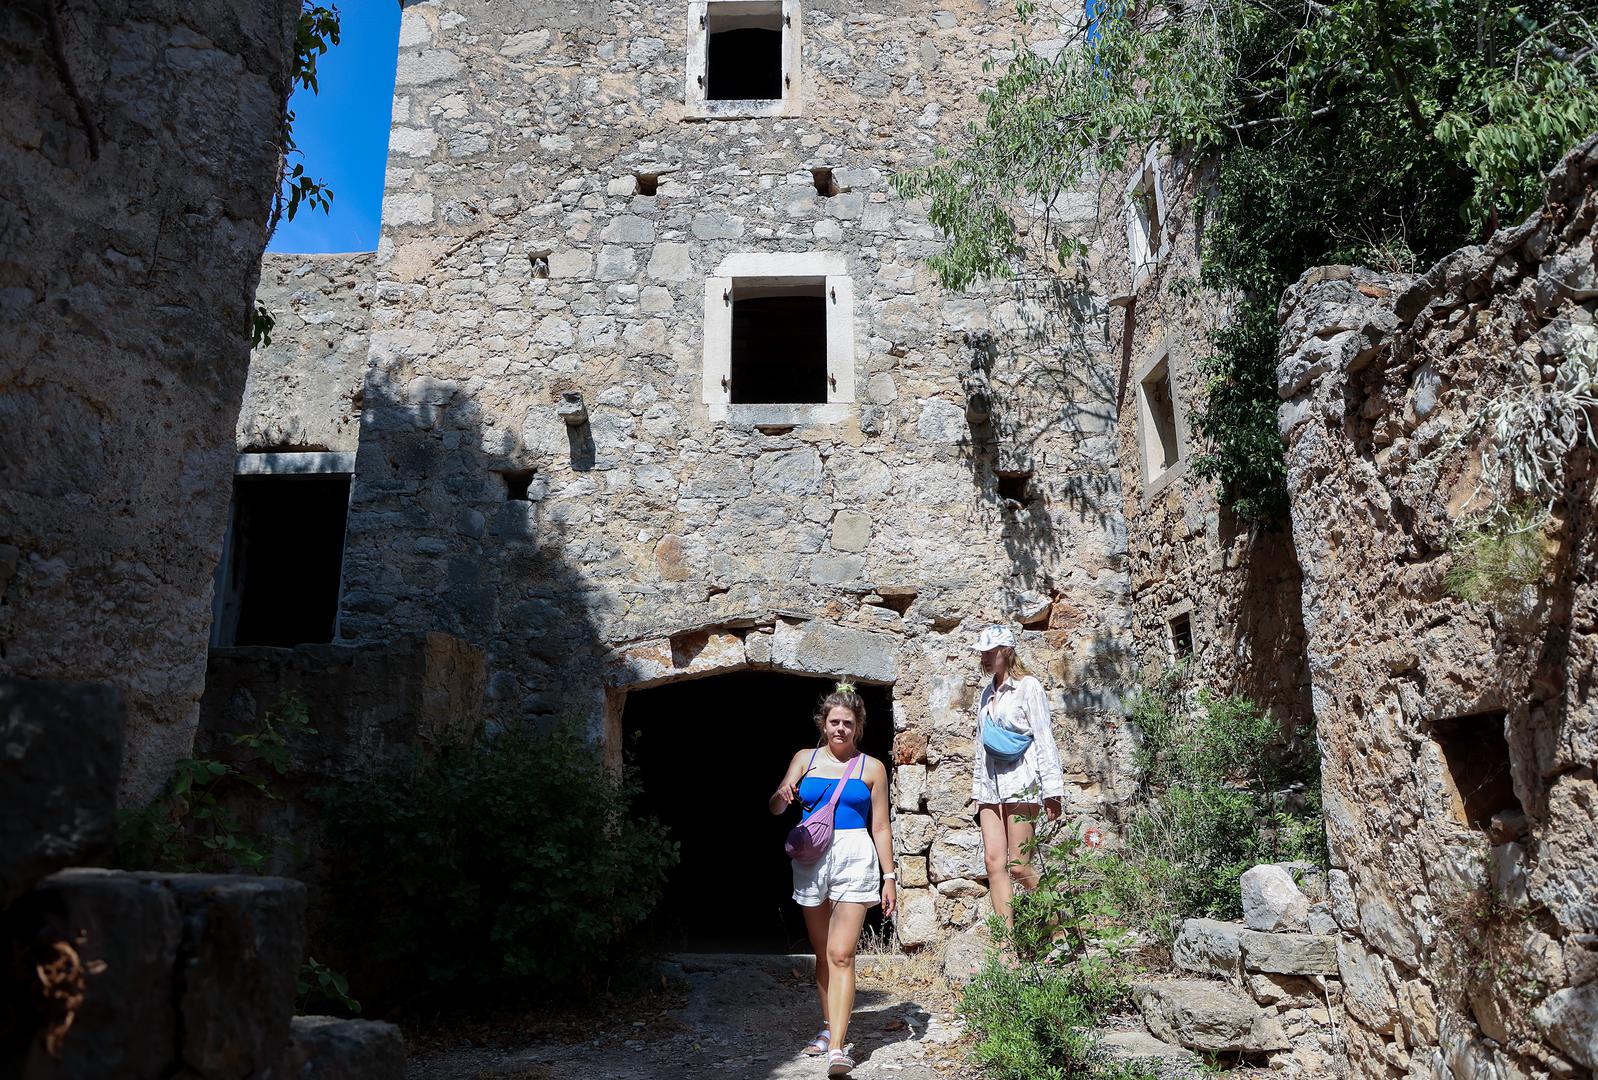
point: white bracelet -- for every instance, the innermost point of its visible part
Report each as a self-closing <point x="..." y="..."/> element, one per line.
<point x="890" y="876"/>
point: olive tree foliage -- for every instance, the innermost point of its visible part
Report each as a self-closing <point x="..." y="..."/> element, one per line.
<point x="1383" y="131"/>
<point x="318" y="31"/>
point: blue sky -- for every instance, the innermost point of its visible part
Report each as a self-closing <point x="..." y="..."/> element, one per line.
<point x="342" y="132"/>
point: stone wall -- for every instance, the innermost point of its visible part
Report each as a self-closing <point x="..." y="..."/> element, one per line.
<point x="544" y="470"/>
<point x="1469" y="905"/>
<point x="304" y="389"/>
<point x="133" y="221"/>
<point x="1236" y="582"/>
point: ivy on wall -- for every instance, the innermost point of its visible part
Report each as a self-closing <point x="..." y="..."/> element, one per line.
<point x="1374" y="131"/>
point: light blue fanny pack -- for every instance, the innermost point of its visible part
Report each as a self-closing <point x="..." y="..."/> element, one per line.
<point x="1002" y="743"/>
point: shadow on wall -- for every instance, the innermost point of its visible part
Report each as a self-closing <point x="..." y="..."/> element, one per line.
<point x="446" y="533"/>
<point x="1045" y="388"/>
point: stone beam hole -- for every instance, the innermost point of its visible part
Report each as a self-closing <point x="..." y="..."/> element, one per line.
<point x="518" y="484"/>
<point x="826" y="185"/>
<point x="646" y="184"/>
<point x="1476" y="753"/>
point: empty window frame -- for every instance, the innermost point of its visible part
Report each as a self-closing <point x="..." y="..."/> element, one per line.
<point x="1145" y="219"/>
<point x="779" y="331"/>
<point x="1159" y="422"/>
<point x="282" y="560"/>
<point x="1179" y="630"/>
<point x="743" y="58"/>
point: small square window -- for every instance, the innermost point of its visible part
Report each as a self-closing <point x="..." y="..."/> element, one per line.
<point x="743" y="58"/>
<point x="1476" y="755"/>
<point x="1162" y="442"/>
<point x="779" y="331"/>
<point x="1181" y="629"/>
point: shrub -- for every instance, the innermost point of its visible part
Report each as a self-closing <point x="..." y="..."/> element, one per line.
<point x="1497" y="558"/>
<point x="1223" y="791"/>
<point x="514" y="864"/>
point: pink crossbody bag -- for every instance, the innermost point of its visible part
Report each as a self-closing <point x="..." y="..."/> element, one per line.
<point x="809" y="840"/>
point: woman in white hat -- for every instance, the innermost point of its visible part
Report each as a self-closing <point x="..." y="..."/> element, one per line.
<point x="1016" y="770"/>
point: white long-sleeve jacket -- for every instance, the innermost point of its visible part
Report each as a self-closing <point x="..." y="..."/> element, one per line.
<point x="1020" y="705"/>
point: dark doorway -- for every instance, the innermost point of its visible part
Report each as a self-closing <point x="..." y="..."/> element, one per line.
<point x="709" y="753"/>
<point x="285" y="554"/>
<point x="743" y="54"/>
<point x="779" y="346"/>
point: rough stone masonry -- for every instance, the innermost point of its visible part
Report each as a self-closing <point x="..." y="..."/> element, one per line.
<point x="548" y="466"/>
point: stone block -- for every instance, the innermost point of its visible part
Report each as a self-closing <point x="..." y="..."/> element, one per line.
<point x="117" y="936"/>
<point x="851" y="531"/>
<point x="912" y="871"/>
<point x="916" y="918"/>
<point x="1134" y="1045"/>
<point x="329" y="1048"/>
<point x="957" y="855"/>
<point x="1366" y="993"/>
<point x="963" y="956"/>
<point x="1289" y="991"/>
<point x="1207" y="1017"/>
<point x="826" y="649"/>
<point x="1289" y="954"/>
<point x="912" y="833"/>
<point x="949" y="791"/>
<point x="1344" y="908"/>
<point x="60" y="755"/>
<point x="1272" y="900"/>
<point x="243" y="943"/>
<point x="1570" y="1017"/>
<point x="1210" y="947"/>
<point x="909" y="786"/>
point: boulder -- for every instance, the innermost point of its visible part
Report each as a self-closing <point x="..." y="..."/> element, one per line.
<point x="60" y="758"/>
<point x="1289" y="954"/>
<point x="328" y="1048"/>
<point x="1135" y="1045"/>
<point x="963" y="956"/>
<point x="1209" y="947"/>
<point x="1272" y="900"/>
<point x="112" y="937"/>
<point x="1207" y="1017"/>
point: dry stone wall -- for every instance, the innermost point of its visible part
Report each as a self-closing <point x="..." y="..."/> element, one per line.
<point x="1459" y="736"/>
<point x="538" y="327"/>
<point x="1189" y="557"/>
<point x="132" y="218"/>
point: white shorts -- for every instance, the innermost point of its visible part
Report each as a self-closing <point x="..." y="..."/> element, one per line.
<point x="847" y="873"/>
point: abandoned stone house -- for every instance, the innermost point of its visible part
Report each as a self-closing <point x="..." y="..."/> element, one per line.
<point x="531" y="460"/>
<point x="544" y="419"/>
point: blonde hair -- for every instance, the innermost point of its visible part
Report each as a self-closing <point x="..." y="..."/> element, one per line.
<point x="1013" y="667"/>
<point x="844" y="695"/>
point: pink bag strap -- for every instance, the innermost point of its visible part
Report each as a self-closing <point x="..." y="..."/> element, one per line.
<point x="837" y="790"/>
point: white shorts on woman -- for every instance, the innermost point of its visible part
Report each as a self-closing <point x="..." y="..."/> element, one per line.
<point x="848" y="873"/>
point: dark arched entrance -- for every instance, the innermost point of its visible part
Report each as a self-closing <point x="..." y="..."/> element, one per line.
<point x="709" y="753"/>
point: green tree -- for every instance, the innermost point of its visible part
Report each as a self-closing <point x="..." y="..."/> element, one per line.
<point x="1386" y="131"/>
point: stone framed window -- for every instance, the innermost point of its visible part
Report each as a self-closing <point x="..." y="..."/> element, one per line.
<point x="279" y="580"/>
<point x="1179" y="640"/>
<point x="1161" y="424"/>
<point x="743" y="59"/>
<point x="1145" y="219"/>
<point x="779" y="339"/>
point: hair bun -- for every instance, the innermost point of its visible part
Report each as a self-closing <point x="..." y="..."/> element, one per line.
<point x="844" y="688"/>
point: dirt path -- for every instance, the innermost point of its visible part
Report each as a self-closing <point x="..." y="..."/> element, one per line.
<point x="741" y="1017"/>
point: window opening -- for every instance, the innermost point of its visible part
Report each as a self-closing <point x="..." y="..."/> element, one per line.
<point x="647" y="183"/>
<point x="1161" y="444"/>
<point x="285" y="555"/>
<point x="1477" y="757"/>
<point x="540" y="263"/>
<point x="1013" y="487"/>
<point x="826" y="186"/>
<point x="1143" y="219"/>
<point x="518" y="483"/>
<point x="743" y="52"/>
<point x="1181" y="627"/>
<point x="779" y="343"/>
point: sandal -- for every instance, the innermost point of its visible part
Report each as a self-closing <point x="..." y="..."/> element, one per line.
<point x="839" y="1063"/>
<point x="818" y="1046"/>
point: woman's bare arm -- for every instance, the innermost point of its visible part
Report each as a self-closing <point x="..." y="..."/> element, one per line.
<point x="788" y="790"/>
<point x="882" y="832"/>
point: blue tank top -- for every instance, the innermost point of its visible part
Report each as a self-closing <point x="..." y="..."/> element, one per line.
<point x="854" y="805"/>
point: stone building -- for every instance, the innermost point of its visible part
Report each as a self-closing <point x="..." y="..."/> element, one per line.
<point x="652" y="385"/>
<point x="1207" y="586"/>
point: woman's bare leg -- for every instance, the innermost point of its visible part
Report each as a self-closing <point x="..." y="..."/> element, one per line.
<point x="996" y="857"/>
<point x="1020" y="822"/>
<point x="843" y="938"/>
<point x="817" y="921"/>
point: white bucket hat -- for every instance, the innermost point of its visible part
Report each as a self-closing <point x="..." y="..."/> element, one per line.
<point x="994" y="637"/>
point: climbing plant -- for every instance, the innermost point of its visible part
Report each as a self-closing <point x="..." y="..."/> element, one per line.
<point x="1385" y="131"/>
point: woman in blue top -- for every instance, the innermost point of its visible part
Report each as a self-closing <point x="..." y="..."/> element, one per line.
<point x="836" y="890"/>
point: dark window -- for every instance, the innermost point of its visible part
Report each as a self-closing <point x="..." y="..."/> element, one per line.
<point x="826" y="186"/>
<point x="1013" y="486"/>
<point x="285" y="555"/>
<point x="518" y="482"/>
<point x="647" y="183"/>
<point x="1182" y="636"/>
<point x="779" y="345"/>
<point x="743" y="59"/>
<point x="1477" y="756"/>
